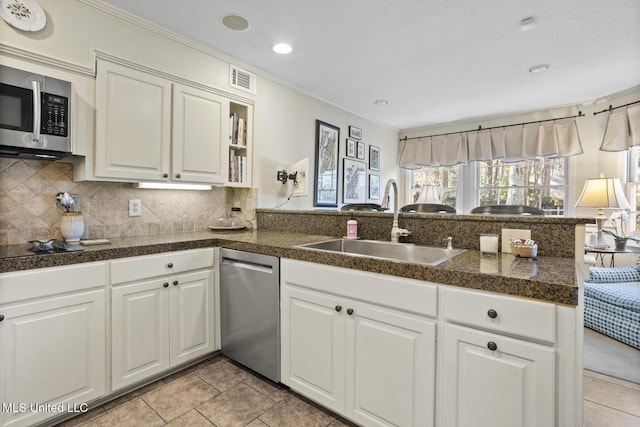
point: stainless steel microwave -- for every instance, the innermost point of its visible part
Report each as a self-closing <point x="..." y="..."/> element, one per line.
<point x="35" y="115"/>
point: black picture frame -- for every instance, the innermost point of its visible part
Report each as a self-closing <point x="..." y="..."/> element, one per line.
<point x="355" y="133"/>
<point x="326" y="165"/>
<point x="374" y="187"/>
<point x="360" y="150"/>
<point x="350" y="150"/>
<point x="374" y="158"/>
<point x="354" y="181"/>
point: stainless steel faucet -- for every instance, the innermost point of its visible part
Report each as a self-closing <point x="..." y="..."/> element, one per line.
<point x="396" y="231"/>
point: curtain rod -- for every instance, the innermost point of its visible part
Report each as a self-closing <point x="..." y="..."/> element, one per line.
<point x="580" y="114"/>
<point x="610" y="109"/>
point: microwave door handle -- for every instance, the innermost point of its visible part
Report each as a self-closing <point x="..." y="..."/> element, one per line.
<point x="35" y="85"/>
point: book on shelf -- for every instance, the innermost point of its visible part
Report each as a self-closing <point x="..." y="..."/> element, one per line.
<point x="237" y="130"/>
<point x="237" y="167"/>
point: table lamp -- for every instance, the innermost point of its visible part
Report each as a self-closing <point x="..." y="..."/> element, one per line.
<point x="428" y="194"/>
<point x="602" y="193"/>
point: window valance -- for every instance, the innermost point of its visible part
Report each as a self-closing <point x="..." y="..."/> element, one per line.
<point x="512" y="143"/>
<point x="622" y="130"/>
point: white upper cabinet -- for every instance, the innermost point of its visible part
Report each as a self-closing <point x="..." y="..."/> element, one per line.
<point x="199" y="119"/>
<point x="133" y="124"/>
<point x="150" y="128"/>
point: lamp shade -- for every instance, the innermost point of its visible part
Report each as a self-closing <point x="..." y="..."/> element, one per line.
<point x="428" y="194"/>
<point x="603" y="193"/>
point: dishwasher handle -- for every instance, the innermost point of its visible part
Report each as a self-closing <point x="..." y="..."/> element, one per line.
<point x="262" y="268"/>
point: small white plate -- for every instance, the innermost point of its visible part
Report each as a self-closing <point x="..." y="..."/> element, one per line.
<point x="25" y="15"/>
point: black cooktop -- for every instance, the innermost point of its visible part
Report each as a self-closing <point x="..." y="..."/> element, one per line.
<point x="11" y="251"/>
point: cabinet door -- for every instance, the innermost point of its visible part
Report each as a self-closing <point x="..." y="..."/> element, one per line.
<point x="51" y="351"/>
<point x="192" y="316"/>
<point x="200" y="128"/>
<point x="390" y="367"/>
<point x="510" y="386"/>
<point x="313" y="345"/>
<point x="133" y="124"/>
<point x="140" y="331"/>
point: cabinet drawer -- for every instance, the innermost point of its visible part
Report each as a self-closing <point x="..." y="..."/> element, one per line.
<point x="43" y="282"/>
<point x="390" y="291"/>
<point x="505" y="314"/>
<point x="147" y="266"/>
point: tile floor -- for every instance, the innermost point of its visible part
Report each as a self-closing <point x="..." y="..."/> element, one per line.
<point x="217" y="392"/>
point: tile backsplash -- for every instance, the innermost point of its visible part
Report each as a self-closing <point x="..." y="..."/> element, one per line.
<point x="28" y="208"/>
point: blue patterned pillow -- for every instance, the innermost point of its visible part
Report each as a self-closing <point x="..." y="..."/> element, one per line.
<point x="613" y="274"/>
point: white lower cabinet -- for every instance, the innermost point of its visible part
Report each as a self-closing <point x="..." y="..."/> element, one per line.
<point x="496" y="381"/>
<point x="52" y="342"/>
<point x="161" y="322"/>
<point x="349" y="348"/>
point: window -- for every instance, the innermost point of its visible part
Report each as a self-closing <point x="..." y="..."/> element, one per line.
<point x="634" y="190"/>
<point x="445" y="178"/>
<point x="540" y="183"/>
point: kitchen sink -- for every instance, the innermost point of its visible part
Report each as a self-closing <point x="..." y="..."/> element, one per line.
<point x="429" y="255"/>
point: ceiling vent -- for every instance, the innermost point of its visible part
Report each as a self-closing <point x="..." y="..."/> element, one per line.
<point x="242" y="79"/>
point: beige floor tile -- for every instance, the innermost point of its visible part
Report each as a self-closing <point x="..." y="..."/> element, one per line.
<point x="599" y="376"/>
<point x="237" y="406"/>
<point x="273" y="391"/>
<point x="133" y="414"/>
<point x="186" y="371"/>
<point x="601" y="416"/>
<point x="191" y="419"/>
<point x="179" y="396"/>
<point x="612" y="395"/>
<point x="83" y="418"/>
<point x="295" y="412"/>
<point x="124" y="399"/>
<point x="223" y="374"/>
<point x="256" y="423"/>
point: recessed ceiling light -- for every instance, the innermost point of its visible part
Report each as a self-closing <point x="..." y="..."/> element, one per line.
<point x="528" y="24"/>
<point x="539" y="68"/>
<point x="235" y="22"/>
<point x="282" y="48"/>
<point x="381" y="102"/>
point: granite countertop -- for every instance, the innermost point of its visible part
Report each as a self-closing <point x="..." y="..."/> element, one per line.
<point x="546" y="278"/>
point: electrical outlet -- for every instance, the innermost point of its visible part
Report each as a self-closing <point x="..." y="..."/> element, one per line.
<point x="301" y="184"/>
<point x="135" y="207"/>
<point x="509" y="235"/>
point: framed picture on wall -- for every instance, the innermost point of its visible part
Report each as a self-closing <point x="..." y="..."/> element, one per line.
<point x="326" y="167"/>
<point x="355" y="133"/>
<point x="351" y="148"/>
<point x="354" y="181"/>
<point x="374" y="187"/>
<point x="374" y="158"/>
<point x="360" y="150"/>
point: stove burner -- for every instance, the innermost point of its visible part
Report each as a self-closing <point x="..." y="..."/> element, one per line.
<point x="53" y="248"/>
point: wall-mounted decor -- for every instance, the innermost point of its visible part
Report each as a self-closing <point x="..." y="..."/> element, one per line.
<point x="374" y="187"/>
<point x="374" y="158"/>
<point x="354" y="186"/>
<point x="360" y="150"/>
<point x="326" y="167"/>
<point x="351" y="148"/>
<point x="25" y="15"/>
<point x="355" y="133"/>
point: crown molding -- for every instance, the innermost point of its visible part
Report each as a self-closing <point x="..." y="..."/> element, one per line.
<point x="47" y="60"/>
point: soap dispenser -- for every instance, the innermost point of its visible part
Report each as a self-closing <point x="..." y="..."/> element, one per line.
<point x="352" y="228"/>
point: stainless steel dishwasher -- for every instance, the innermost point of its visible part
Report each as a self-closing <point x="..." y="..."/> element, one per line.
<point x="250" y="310"/>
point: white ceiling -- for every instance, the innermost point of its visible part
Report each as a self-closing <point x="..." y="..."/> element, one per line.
<point x="435" y="61"/>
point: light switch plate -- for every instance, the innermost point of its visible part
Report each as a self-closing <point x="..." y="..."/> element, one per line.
<point x="509" y="235"/>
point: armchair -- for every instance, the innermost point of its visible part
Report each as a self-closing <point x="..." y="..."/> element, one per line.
<point x="612" y="303"/>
